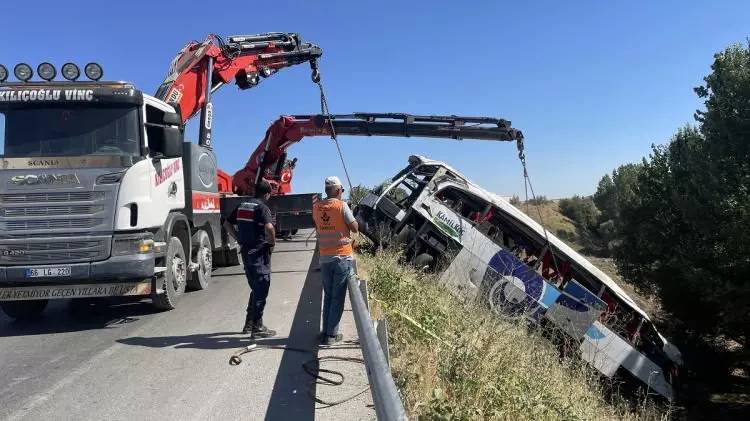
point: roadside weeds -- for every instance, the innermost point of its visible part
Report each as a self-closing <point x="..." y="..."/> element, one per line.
<point x="456" y="360"/>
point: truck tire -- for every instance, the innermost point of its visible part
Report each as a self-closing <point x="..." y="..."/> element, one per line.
<point x="173" y="282"/>
<point x="203" y="256"/>
<point x="423" y="261"/>
<point x="233" y="257"/>
<point x="24" y="310"/>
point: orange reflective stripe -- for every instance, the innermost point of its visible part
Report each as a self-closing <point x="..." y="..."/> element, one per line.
<point x="333" y="233"/>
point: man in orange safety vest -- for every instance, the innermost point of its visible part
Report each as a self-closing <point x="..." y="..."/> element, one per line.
<point x="335" y="225"/>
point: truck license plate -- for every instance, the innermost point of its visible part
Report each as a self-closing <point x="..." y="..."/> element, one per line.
<point x="51" y="272"/>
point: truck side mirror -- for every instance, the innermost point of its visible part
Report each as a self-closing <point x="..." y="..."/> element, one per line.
<point x="166" y="141"/>
<point x="172" y="119"/>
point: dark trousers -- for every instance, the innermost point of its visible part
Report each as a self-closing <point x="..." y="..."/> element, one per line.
<point x="259" y="285"/>
<point x="260" y="282"/>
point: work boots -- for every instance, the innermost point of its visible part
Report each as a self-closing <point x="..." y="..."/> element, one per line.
<point x="261" y="331"/>
<point x="257" y="330"/>
<point x="248" y="327"/>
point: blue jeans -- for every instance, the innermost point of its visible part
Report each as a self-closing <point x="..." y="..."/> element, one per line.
<point x="335" y="276"/>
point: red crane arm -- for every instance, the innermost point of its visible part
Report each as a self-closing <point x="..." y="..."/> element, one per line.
<point x="284" y="132"/>
<point x="201" y="68"/>
<point x="269" y="158"/>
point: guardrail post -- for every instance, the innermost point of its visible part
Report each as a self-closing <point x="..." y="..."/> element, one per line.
<point x="381" y="329"/>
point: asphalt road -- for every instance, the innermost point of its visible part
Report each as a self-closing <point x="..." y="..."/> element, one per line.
<point x="124" y="360"/>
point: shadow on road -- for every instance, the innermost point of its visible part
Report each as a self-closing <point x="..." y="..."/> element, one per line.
<point x="220" y="275"/>
<point x="285" y="404"/>
<point x="78" y="315"/>
<point x="219" y="340"/>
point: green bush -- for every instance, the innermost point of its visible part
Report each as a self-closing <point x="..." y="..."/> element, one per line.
<point x="358" y="193"/>
<point x="581" y="210"/>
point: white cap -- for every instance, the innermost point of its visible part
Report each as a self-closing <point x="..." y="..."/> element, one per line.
<point x="332" y="181"/>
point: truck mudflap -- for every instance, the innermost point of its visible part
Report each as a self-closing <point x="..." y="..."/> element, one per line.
<point x="50" y="292"/>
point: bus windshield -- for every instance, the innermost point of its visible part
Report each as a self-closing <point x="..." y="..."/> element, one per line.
<point x="49" y="131"/>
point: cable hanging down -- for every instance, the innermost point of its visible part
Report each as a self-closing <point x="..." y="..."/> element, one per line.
<point x="324" y="111"/>
<point x="528" y="186"/>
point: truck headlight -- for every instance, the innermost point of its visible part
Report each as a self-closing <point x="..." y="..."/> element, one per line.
<point x="122" y="246"/>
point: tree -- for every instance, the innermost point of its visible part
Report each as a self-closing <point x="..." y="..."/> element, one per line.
<point x="684" y="229"/>
<point x="580" y="209"/>
<point x="357" y="194"/>
<point x="604" y="198"/>
<point x="612" y="192"/>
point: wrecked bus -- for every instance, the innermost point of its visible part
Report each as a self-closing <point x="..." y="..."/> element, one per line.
<point x="490" y="250"/>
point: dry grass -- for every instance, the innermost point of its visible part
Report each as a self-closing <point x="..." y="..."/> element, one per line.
<point x="555" y="222"/>
<point x="483" y="367"/>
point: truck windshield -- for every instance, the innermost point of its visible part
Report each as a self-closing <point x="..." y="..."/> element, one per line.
<point x="68" y="131"/>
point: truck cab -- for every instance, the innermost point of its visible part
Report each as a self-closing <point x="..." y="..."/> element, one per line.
<point x="96" y="198"/>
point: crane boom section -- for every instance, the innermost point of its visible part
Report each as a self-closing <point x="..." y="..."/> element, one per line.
<point x="268" y="161"/>
<point x="201" y="68"/>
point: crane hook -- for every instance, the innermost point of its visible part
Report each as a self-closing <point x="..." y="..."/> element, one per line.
<point x="315" y="76"/>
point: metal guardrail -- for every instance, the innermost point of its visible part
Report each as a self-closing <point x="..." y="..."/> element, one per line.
<point x="388" y="405"/>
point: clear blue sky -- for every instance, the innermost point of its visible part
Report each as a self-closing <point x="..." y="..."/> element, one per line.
<point x="591" y="83"/>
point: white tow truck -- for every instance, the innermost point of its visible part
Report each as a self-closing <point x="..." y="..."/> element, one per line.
<point x="99" y="193"/>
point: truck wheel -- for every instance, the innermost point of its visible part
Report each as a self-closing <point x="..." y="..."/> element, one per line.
<point x="202" y="255"/>
<point x="424" y="261"/>
<point x="173" y="281"/>
<point x="233" y="257"/>
<point x="24" y="310"/>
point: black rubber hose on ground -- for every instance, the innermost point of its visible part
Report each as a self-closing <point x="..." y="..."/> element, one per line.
<point x="312" y="367"/>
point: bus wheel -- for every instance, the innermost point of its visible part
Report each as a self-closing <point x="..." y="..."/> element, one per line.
<point x="424" y="261"/>
<point x="406" y="234"/>
<point x="24" y="310"/>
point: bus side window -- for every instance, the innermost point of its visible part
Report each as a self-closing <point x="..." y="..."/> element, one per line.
<point x="447" y="197"/>
<point x="467" y="205"/>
